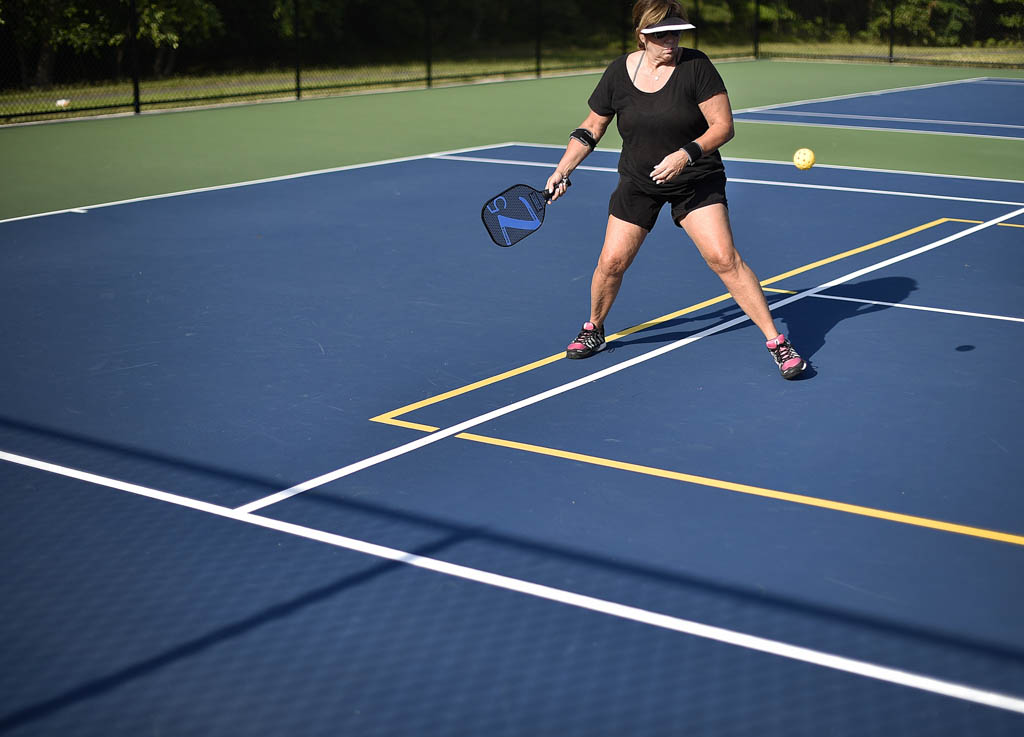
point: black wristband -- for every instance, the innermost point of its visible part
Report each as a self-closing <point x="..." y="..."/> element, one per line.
<point x="694" y="151"/>
<point x="584" y="136"/>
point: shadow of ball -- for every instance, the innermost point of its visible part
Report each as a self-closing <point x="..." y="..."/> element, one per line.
<point x="965" y="348"/>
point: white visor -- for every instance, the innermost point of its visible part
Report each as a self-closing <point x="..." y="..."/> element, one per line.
<point x="674" y="23"/>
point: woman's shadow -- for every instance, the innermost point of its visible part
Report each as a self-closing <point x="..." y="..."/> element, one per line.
<point x="807" y="321"/>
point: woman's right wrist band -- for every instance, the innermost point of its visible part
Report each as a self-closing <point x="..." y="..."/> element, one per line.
<point x="693" y="150"/>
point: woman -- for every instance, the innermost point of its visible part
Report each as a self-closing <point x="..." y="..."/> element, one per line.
<point x="673" y="115"/>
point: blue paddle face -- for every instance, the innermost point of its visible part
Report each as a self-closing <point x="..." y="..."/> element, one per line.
<point x="514" y="214"/>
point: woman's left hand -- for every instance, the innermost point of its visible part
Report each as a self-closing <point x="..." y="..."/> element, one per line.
<point x="670" y="167"/>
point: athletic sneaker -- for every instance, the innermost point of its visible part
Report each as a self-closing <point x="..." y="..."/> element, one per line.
<point x="587" y="343"/>
<point x="789" y="361"/>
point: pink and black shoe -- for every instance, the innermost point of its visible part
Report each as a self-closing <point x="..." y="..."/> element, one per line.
<point x="789" y="361"/>
<point x="587" y="343"/>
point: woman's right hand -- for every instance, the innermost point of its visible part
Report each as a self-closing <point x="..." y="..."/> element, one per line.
<point x="556" y="184"/>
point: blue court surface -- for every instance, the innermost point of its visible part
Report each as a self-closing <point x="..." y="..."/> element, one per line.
<point x="988" y="107"/>
<point x="303" y="457"/>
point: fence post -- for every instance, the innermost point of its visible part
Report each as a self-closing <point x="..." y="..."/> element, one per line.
<point x="540" y="33"/>
<point x="133" y="53"/>
<point x="627" y="29"/>
<point x="298" y="50"/>
<point x="892" y="29"/>
<point x="429" y="6"/>
<point x="757" y="29"/>
<point x="696" y="22"/>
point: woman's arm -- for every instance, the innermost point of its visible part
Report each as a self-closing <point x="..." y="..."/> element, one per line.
<point x="575" y="152"/>
<point x="718" y="112"/>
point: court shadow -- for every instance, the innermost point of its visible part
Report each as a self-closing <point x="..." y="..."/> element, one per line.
<point x="806" y="322"/>
<point x="545" y="560"/>
<point x="809" y="326"/>
<point x="205" y="642"/>
<point x="673" y="330"/>
<point x="105" y="449"/>
<point x="809" y="321"/>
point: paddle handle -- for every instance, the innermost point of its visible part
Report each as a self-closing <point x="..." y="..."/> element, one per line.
<point x="550" y="193"/>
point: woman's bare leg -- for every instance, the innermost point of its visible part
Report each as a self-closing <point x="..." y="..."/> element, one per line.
<point x="622" y="241"/>
<point x="709" y="229"/>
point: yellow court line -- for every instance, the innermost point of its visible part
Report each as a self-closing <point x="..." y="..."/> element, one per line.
<point x="854" y="251"/>
<point x="389" y="417"/>
<point x="906" y="519"/>
<point x="404" y="423"/>
<point x="810" y="501"/>
<point x="1004" y="225"/>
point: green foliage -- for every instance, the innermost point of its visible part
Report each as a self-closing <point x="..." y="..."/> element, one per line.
<point x="945" y="23"/>
<point x="88" y="28"/>
<point x="935" y="22"/>
<point x="41" y="28"/>
<point x="250" y="33"/>
<point x="167" y="22"/>
<point x="317" y="17"/>
<point x="716" y="12"/>
<point x="90" y="25"/>
<point x="1010" y="18"/>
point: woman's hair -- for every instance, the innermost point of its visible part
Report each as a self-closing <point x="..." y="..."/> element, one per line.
<point x="648" y="12"/>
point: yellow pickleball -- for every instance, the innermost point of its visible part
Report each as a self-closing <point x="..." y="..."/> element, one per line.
<point x="803" y="158"/>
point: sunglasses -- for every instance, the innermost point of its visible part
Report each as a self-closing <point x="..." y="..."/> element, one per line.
<point x="663" y="34"/>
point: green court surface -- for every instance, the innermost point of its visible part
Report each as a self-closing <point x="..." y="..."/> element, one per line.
<point x="76" y="163"/>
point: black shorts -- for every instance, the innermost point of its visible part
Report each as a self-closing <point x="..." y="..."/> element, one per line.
<point x="632" y="204"/>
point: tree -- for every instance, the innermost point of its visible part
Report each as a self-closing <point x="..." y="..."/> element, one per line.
<point x="1009" y="17"/>
<point x="40" y="28"/>
<point x="166" y="23"/>
<point x="34" y="25"/>
<point x="929" y="22"/>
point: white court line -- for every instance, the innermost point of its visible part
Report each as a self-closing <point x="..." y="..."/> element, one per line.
<point x="248" y="183"/>
<point x="582" y="381"/>
<point x="298" y="175"/>
<point x="518" y="162"/>
<point x="877" y="128"/>
<point x="864" y="190"/>
<point x="959" y="691"/>
<point x="932" y="175"/>
<point x="886" y="117"/>
<point x="741" y="180"/>
<point x="854" y="95"/>
<point x="919" y="307"/>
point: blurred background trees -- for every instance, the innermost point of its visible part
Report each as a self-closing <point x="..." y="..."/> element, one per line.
<point x="43" y="42"/>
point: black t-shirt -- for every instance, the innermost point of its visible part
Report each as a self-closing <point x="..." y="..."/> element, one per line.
<point x="654" y="124"/>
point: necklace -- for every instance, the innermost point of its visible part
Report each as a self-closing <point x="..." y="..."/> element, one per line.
<point x="652" y="74"/>
<point x="656" y="75"/>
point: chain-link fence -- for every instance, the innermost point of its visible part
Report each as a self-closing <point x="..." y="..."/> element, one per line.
<point x="977" y="33"/>
<point x="64" y="58"/>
